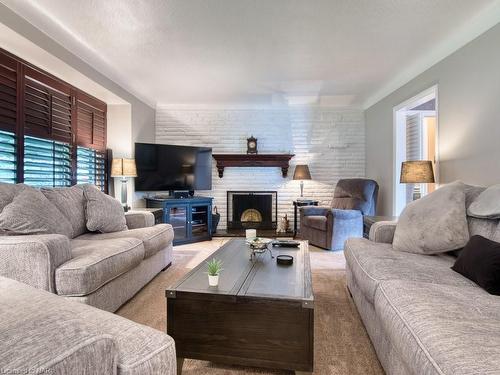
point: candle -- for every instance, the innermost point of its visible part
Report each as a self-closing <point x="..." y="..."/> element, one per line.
<point x="251" y="234"/>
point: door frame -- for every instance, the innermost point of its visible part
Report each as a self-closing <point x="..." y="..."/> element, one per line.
<point x="399" y="136"/>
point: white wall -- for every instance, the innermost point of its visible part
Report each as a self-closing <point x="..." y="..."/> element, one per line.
<point x="469" y="118"/>
<point x="331" y="141"/>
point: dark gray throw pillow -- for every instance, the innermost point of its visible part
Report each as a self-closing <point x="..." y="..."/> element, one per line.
<point x="30" y="212"/>
<point x="103" y="213"/>
<point x="479" y="261"/>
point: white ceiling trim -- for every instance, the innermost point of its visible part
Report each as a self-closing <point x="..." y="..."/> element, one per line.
<point x="484" y="21"/>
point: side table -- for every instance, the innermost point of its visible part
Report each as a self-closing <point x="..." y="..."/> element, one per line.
<point x="300" y="203"/>
<point x="368" y="221"/>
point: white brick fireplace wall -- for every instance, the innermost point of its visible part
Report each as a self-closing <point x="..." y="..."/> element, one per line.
<point x="331" y="141"/>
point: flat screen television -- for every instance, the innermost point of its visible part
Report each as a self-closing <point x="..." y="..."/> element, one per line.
<point x="170" y="168"/>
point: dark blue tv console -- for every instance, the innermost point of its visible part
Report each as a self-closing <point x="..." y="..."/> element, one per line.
<point x="190" y="217"/>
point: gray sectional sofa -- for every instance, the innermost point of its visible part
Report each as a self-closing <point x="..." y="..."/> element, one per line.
<point x="100" y="269"/>
<point x="42" y="333"/>
<point x="421" y="316"/>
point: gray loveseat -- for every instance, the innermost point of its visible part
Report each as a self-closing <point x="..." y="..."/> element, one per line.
<point x="100" y="269"/>
<point x="421" y="316"/>
<point x="42" y="333"/>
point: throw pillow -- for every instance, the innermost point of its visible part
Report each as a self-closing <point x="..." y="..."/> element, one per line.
<point x="104" y="213"/>
<point x="479" y="261"/>
<point x="30" y="212"/>
<point x="71" y="202"/>
<point x="436" y="223"/>
<point x="487" y="204"/>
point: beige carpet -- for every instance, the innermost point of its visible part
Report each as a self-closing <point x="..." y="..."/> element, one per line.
<point x="341" y="345"/>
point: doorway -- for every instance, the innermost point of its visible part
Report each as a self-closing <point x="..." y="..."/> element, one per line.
<point x="415" y="138"/>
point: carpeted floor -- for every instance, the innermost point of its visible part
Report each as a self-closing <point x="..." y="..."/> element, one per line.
<point x="341" y="344"/>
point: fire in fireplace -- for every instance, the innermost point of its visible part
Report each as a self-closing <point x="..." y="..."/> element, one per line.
<point x="252" y="209"/>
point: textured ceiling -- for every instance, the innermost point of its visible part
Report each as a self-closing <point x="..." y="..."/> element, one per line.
<point x="249" y="51"/>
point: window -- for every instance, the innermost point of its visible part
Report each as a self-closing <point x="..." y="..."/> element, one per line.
<point x="91" y="167"/>
<point x="51" y="133"/>
<point x="8" y="164"/>
<point x="415" y="131"/>
<point x="46" y="162"/>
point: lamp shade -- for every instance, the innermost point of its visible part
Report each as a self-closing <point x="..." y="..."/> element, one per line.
<point x="417" y="172"/>
<point x="302" y="172"/>
<point x="123" y="168"/>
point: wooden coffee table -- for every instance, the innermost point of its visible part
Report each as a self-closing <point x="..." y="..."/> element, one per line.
<point x="261" y="314"/>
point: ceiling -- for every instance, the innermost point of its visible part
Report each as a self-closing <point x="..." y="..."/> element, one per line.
<point x="251" y="51"/>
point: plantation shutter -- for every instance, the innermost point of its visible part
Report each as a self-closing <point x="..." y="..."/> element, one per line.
<point x="47" y="108"/>
<point x="8" y="119"/>
<point x="91" y="123"/>
<point x="414" y="147"/>
<point x="8" y="94"/>
<point x="91" y="167"/>
<point x="8" y="157"/>
<point x="46" y="162"/>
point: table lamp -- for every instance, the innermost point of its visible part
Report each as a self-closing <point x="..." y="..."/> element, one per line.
<point x="302" y="173"/>
<point x="417" y="172"/>
<point x="123" y="168"/>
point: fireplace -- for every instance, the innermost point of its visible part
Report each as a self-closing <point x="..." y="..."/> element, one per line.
<point x="252" y="209"/>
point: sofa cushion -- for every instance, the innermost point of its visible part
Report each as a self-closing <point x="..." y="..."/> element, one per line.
<point x="32" y="213"/>
<point x="71" y="202"/>
<point x="441" y="329"/>
<point x="154" y="238"/>
<point x="94" y="263"/>
<point x="487" y="204"/>
<point x="371" y="263"/>
<point x="103" y="213"/>
<point x="316" y="222"/>
<point x="433" y="224"/>
<point x="8" y="192"/>
<point x="41" y="320"/>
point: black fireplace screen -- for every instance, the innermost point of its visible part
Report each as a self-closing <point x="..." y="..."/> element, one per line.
<point x="252" y="209"/>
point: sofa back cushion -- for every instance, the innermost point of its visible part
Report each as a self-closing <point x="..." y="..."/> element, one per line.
<point x="103" y="213"/>
<point x="488" y="228"/>
<point x="31" y="212"/>
<point x="434" y="224"/>
<point x="71" y="202"/>
<point x="356" y="194"/>
<point x="8" y="192"/>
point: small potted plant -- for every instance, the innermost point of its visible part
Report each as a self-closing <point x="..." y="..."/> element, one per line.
<point x="214" y="270"/>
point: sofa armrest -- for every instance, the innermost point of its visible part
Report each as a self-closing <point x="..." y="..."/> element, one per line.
<point x="314" y="211"/>
<point x="382" y="231"/>
<point x="345" y="214"/>
<point x="343" y="224"/>
<point x="33" y="259"/>
<point x="139" y="219"/>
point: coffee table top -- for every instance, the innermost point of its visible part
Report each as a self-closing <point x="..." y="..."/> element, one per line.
<point x="242" y="277"/>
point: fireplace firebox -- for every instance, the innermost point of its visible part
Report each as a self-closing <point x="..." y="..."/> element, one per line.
<point x="252" y="209"/>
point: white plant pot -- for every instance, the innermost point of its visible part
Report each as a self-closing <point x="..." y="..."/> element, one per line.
<point x="213" y="280"/>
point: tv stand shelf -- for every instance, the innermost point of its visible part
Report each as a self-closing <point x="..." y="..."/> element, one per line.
<point x="191" y="218"/>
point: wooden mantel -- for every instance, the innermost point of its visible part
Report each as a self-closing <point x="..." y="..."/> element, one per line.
<point x="253" y="160"/>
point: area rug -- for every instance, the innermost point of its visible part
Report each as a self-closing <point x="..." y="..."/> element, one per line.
<point x="341" y="344"/>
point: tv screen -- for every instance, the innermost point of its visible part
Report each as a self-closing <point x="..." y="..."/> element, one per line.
<point x="168" y="167"/>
